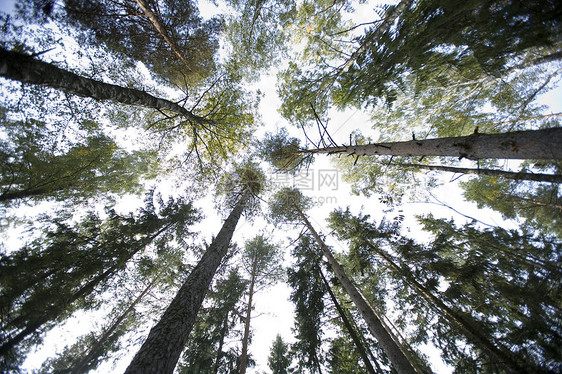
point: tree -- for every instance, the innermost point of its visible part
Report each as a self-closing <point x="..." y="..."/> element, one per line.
<point x="263" y="262"/>
<point x="162" y="348"/>
<point x="168" y="36"/>
<point x="279" y="359"/>
<point x="215" y="324"/>
<point x="364" y="236"/>
<point x="308" y="297"/>
<point x="284" y="207"/>
<point x="31" y="168"/>
<point x="41" y="282"/>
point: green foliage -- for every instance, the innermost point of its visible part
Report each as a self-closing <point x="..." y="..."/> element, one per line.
<point x="538" y="204"/>
<point x="244" y="180"/>
<point x="206" y="350"/>
<point x="281" y="151"/>
<point x="285" y="204"/>
<point x="47" y="279"/>
<point x="124" y="28"/>
<point x="263" y="260"/>
<point x="308" y="297"/>
<point x="343" y="357"/>
<point x="504" y="282"/>
<point x="279" y="359"/>
<point x="34" y="168"/>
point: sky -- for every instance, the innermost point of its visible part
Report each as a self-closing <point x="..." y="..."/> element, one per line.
<point x="273" y="312"/>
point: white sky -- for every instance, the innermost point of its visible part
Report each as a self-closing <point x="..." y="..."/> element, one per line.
<point x="272" y="307"/>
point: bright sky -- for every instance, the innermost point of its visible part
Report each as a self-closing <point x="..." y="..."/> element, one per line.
<point x="273" y="312"/>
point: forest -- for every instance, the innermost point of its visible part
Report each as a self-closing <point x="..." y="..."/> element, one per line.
<point x="280" y="186"/>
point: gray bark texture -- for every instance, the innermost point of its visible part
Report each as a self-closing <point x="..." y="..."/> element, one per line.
<point x="26" y="69"/>
<point x="385" y="338"/>
<point x="543" y="144"/>
<point x="551" y="178"/>
<point x="161" y="351"/>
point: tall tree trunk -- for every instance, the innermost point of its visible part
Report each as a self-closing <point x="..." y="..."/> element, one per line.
<point x="552" y="178"/>
<point x="93" y="352"/>
<point x="244" y="355"/>
<point x="347" y="323"/>
<point x="161" y="351"/>
<point x="474" y="335"/>
<point x="385" y="338"/>
<point x="543" y="144"/>
<point x="26" y="69"/>
<point x="54" y="312"/>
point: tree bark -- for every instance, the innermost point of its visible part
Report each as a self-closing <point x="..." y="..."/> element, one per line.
<point x="153" y="18"/>
<point x="473" y="334"/>
<point x="244" y="355"/>
<point x="358" y="343"/>
<point x="161" y="351"/>
<point x="543" y="144"/>
<point x="385" y="338"/>
<point x="551" y="178"/>
<point x="26" y="69"/>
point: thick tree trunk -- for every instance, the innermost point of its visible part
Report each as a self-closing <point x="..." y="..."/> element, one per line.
<point x="26" y="69"/>
<point x="473" y="334"/>
<point x="93" y="352"/>
<point x="244" y="355"/>
<point x="385" y="338"/>
<point x="347" y="323"/>
<point x="551" y="178"/>
<point x="161" y="351"/>
<point x="543" y="144"/>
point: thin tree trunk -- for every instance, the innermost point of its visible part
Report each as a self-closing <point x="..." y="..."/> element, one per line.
<point x="347" y="323"/>
<point x="497" y="355"/>
<point x="79" y="367"/>
<point x="552" y="178"/>
<point x="543" y="144"/>
<point x="161" y="351"/>
<point x="385" y="338"/>
<point x="26" y="69"/>
<point x="244" y="355"/>
<point x="153" y="18"/>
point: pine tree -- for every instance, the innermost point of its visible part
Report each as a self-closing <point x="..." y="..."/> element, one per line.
<point x="162" y="348"/>
<point x="279" y="359"/>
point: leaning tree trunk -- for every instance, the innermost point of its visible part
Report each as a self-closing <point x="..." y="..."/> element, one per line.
<point x="244" y="355"/>
<point x="551" y="178"/>
<point x="26" y="69"/>
<point x="474" y="335"/>
<point x="161" y="351"/>
<point x="543" y="144"/>
<point x="347" y="323"/>
<point x="388" y="342"/>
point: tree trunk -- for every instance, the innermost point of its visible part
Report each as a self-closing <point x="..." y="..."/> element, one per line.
<point x="244" y="355"/>
<point x="153" y="18"/>
<point x="161" y="351"/>
<point x="79" y="367"/>
<point x="552" y="178"/>
<point x="26" y="69"/>
<point x="543" y="144"/>
<point x="385" y="338"/>
<point x="473" y="334"/>
<point x="347" y="323"/>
